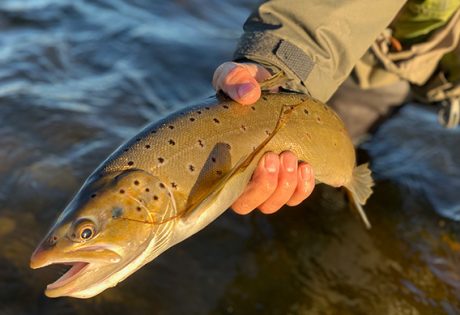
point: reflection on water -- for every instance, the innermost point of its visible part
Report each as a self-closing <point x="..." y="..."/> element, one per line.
<point x="77" y="77"/>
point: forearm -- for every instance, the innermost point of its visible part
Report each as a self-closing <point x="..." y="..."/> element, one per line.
<point x="315" y="42"/>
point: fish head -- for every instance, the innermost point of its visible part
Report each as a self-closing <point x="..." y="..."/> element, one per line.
<point x="114" y="225"/>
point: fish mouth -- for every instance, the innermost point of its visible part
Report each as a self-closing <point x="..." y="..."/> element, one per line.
<point x="83" y="272"/>
<point x="76" y="269"/>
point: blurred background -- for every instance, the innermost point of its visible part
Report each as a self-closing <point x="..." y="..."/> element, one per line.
<point x="79" y="77"/>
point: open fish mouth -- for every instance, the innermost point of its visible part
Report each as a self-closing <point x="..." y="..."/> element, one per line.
<point x="77" y="268"/>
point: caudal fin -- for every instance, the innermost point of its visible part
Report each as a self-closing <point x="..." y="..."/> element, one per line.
<point x="360" y="188"/>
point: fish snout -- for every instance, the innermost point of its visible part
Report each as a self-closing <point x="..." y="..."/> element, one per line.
<point x="38" y="258"/>
<point x="40" y="254"/>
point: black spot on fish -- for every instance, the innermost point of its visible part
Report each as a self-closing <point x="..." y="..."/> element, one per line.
<point x="138" y="208"/>
<point x="219" y="172"/>
<point x="161" y="160"/>
<point x="117" y="212"/>
<point x="253" y="108"/>
<point x="147" y="189"/>
<point x="162" y="186"/>
<point x="147" y="146"/>
<point x="264" y="98"/>
<point x="318" y="119"/>
<point x="199" y="112"/>
<point x="138" y="139"/>
<point x="243" y="127"/>
<point x="191" y="168"/>
<point x="306" y="111"/>
<point x="207" y="108"/>
<point x="136" y="182"/>
<point x="171" y="142"/>
<point x="153" y="131"/>
<point x="213" y="159"/>
<point x="171" y="127"/>
<point x="216" y="121"/>
<point x="225" y="106"/>
<point x="228" y="146"/>
<point x="155" y="197"/>
<point x="192" y="119"/>
<point x="174" y="185"/>
<point x="93" y="196"/>
<point x="126" y="150"/>
<point x="122" y="191"/>
<point x="200" y="142"/>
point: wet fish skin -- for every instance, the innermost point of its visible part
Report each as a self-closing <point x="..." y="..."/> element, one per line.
<point x="179" y="174"/>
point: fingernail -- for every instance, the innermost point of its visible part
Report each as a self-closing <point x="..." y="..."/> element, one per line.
<point x="305" y="173"/>
<point x="244" y="89"/>
<point x="270" y="162"/>
<point x="289" y="162"/>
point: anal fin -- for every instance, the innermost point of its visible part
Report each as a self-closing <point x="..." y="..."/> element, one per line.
<point x="360" y="188"/>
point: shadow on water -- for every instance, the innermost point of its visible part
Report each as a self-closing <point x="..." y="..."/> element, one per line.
<point x="79" y="77"/>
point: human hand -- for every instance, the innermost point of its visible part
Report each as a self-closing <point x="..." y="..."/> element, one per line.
<point x="278" y="179"/>
<point x="240" y="81"/>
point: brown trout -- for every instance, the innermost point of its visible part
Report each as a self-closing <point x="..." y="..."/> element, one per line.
<point x="178" y="175"/>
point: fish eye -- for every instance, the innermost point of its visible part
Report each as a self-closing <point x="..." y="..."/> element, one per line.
<point x="86" y="233"/>
<point x="84" y="230"/>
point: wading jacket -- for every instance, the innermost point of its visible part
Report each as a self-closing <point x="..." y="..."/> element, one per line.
<point x="318" y="43"/>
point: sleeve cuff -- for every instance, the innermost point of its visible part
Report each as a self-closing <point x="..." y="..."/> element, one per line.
<point x="270" y="51"/>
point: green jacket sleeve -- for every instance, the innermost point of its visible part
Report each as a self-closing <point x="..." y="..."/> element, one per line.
<point x="315" y="42"/>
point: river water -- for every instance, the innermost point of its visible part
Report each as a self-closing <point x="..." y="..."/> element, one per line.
<point x="79" y="77"/>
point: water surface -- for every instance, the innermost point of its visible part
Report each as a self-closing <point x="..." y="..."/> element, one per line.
<point x="79" y="77"/>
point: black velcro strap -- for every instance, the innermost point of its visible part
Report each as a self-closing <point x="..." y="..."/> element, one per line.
<point x="269" y="49"/>
<point x="293" y="57"/>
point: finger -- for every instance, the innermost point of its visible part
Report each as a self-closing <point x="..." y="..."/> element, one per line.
<point x="261" y="186"/>
<point x="287" y="183"/>
<point x="305" y="184"/>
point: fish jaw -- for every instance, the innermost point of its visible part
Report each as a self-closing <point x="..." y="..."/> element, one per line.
<point x="89" y="268"/>
<point x="89" y="277"/>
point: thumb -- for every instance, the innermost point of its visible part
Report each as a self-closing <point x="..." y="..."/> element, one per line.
<point x="239" y="81"/>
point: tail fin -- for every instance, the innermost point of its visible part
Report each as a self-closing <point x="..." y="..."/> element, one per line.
<point x="360" y="188"/>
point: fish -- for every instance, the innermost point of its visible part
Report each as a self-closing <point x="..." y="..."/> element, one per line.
<point x="179" y="174"/>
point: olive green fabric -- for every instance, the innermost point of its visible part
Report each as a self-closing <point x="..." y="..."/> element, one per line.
<point x="419" y="18"/>
<point x="450" y="65"/>
<point x="318" y="42"/>
<point x="315" y="42"/>
<point x="417" y="64"/>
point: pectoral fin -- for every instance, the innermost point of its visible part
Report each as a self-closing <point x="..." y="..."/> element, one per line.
<point x="200" y="205"/>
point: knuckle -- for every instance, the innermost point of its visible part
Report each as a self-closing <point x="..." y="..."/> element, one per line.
<point x="238" y="73"/>
<point x="287" y="185"/>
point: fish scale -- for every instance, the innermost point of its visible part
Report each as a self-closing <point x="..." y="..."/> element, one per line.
<point x="179" y="174"/>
